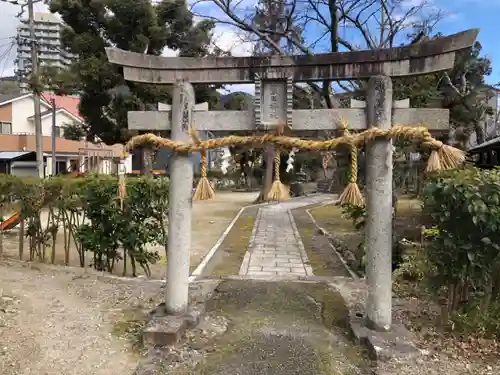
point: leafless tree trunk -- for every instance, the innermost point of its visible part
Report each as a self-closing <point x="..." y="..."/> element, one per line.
<point x="147" y="161"/>
<point x="376" y="23"/>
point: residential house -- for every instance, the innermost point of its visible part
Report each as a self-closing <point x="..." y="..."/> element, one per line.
<point x="17" y="140"/>
<point x="17" y="115"/>
<point x="68" y="103"/>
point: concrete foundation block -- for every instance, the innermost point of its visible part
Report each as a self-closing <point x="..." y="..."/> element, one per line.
<point x="164" y="331"/>
<point x="383" y="346"/>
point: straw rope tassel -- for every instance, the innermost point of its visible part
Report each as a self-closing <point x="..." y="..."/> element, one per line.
<point x="278" y="191"/>
<point x="351" y="194"/>
<point x="433" y="164"/>
<point x="204" y="190"/>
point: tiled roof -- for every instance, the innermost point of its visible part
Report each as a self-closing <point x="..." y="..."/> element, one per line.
<point x="69" y="103"/>
<point x="8" y="97"/>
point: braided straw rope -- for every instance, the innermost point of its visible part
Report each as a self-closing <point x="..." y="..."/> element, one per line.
<point x="397" y="132"/>
<point x="204" y="190"/>
<point x="122" y="188"/>
<point x="278" y="191"/>
<point x="442" y="156"/>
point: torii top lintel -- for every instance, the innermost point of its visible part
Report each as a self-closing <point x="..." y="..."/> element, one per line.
<point x="423" y="58"/>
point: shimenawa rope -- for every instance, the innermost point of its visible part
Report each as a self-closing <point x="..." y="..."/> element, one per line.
<point x="442" y="156"/>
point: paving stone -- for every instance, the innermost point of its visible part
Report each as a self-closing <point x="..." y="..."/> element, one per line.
<point x="289" y="256"/>
<point x="262" y="273"/>
<point x="276" y="248"/>
<point x="263" y="264"/>
<point x="254" y="268"/>
<point x="265" y="259"/>
<point x="276" y="269"/>
<point x="285" y="264"/>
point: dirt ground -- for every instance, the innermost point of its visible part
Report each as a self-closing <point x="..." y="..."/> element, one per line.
<point x="442" y="351"/>
<point x="210" y="220"/>
<point x="228" y="258"/>
<point x="269" y="328"/>
<point x="60" y="322"/>
<point x="322" y="258"/>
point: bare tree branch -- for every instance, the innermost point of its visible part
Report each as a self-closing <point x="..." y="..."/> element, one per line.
<point x="309" y="26"/>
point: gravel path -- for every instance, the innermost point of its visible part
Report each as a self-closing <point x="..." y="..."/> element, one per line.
<point x="60" y="322"/>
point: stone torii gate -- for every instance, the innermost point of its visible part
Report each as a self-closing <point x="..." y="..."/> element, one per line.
<point x="273" y="78"/>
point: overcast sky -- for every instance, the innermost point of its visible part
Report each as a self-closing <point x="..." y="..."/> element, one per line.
<point x="226" y="39"/>
<point x="8" y="25"/>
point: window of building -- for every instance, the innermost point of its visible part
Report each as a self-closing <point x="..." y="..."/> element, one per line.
<point x="5" y="127"/>
<point x="61" y="167"/>
<point x="59" y="131"/>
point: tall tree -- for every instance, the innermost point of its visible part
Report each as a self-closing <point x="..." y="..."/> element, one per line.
<point x="133" y="25"/>
<point x="309" y="26"/>
<point x="466" y="94"/>
<point x="9" y="86"/>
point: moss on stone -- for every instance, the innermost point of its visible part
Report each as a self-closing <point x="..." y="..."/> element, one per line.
<point x="129" y="325"/>
<point x="281" y="328"/>
<point x="233" y="248"/>
<point x="322" y="258"/>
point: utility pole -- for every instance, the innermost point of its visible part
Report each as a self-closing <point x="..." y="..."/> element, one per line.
<point x="36" y="95"/>
<point x="54" y="135"/>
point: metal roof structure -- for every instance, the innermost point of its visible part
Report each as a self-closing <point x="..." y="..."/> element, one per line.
<point x="10" y="155"/>
<point x="492" y="142"/>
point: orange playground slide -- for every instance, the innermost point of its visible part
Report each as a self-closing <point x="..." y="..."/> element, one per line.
<point x="15" y="219"/>
<point x="11" y="222"/>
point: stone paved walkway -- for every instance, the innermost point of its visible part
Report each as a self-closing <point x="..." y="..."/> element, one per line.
<point x="275" y="247"/>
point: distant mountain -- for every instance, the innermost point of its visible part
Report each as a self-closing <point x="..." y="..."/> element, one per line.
<point x="9" y="85"/>
<point x="238" y="100"/>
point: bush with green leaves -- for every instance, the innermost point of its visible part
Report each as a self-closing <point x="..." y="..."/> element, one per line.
<point x="91" y="216"/>
<point x="355" y="213"/>
<point x="464" y="205"/>
<point x="112" y="232"/>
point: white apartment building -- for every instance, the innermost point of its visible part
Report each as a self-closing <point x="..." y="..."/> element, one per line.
<point x="48" y="28"/>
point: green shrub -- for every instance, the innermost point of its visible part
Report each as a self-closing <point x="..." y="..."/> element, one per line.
<point x="111" y="227"/>
<point x="91" y="214"/>
<point x="414" y="267"/>
<point x="464" y="206"/>
<point x="355" y="213"/>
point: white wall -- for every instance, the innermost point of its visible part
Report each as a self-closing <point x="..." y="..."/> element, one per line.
<point x="21" y="110"/>
<point x="128" y="164"/>
<point x="62" y="119"/>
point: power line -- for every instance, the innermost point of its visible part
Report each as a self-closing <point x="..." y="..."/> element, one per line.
<point x="29" y="5"/>
<point x="5" y="57"/>
<point x="22" y="4"/>
<point x="35" y="88"/>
